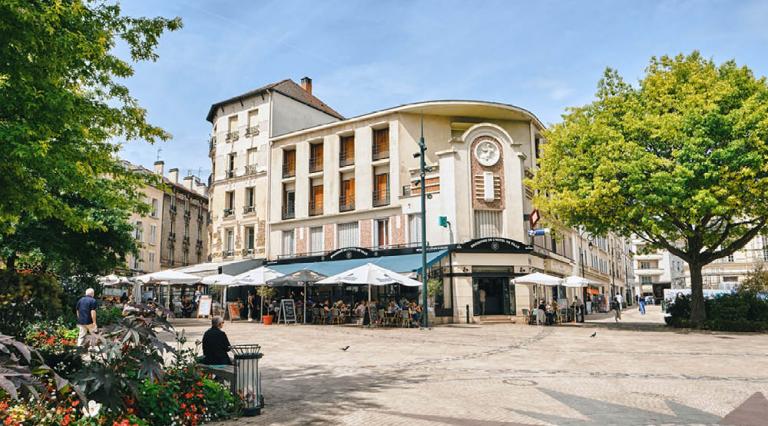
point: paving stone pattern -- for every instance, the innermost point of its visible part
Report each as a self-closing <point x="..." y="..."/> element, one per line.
<point x="636" y="372"/>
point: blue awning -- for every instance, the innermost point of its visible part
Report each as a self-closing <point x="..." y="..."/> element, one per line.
<point x="404" y="264"/>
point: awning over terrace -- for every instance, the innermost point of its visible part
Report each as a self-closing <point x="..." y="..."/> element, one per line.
<point x="404" y="264"/>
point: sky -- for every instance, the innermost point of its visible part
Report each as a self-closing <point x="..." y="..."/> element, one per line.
<point x="363" y="56"/>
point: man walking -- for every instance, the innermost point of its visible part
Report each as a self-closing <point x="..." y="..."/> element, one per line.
<point x="619" y="303"/>
<point x="482" y="301"/>
<point x="86" y="316"/>
<point x="641" y="304"/>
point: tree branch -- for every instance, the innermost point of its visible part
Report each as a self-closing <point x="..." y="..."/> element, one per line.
<point x="739" y="243"/>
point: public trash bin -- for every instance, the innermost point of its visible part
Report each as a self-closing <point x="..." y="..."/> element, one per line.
<point x="247" y="382"/>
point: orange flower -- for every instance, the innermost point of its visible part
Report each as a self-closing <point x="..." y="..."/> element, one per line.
<point x="75" y="403"/>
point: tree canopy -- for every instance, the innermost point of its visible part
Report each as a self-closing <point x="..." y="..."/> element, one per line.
<point x="62" y="106"/>
<point x="679" y="160"/>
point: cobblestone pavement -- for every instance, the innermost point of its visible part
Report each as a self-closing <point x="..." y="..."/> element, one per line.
<point x="636" y="372"/>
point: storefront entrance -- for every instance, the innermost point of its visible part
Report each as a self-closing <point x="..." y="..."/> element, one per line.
<point x="493" y="296"/>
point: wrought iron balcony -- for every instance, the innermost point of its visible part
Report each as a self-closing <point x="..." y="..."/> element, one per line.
<point x="346" y="203"/>
<point x="289" y="211"/>
<point x="315" y="164"/>
<point x="315" y="208"/>
<point x="252" y="131"/>
<point x="251" y="169"/>
<point x="249" y="209"/>
<point x="229" y="212"/>
<point x="232" y="136"/>
<point x="346" y="159"/>
<point x="380" y="151"/>
<point x="380" y="198"/>
<point x="289" y="170"/>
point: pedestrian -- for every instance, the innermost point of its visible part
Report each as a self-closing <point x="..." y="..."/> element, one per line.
<point x="482" y="301"/>
<point x="620" y="303"/>
<point x="251" y="305"/>
<point x="578" y="314"/>
<point x="540" y="312"/>
<point x="615" y="309"/>
<point x="641" y="304"/>
<point x="86" y="315"/>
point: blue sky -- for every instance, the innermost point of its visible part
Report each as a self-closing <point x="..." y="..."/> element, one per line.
<point x="367" y="55"/>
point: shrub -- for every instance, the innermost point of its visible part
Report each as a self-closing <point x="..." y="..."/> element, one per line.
<point x="742" y="311"/>
<point x="108" y="315"/>
<point x="27" y="297"/>
<point x="57" y="345"/>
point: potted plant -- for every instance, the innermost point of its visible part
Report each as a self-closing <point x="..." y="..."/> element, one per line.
<point x="265" y="293"/>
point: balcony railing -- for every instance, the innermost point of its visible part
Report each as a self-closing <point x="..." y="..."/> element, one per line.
<point x="249" y="209"/>
<point x="346" y="203"/>
<point x="251" y="169"/>
<point x="212" y="143"/>
<point x="346" y="159"/>
<point x="380" y="198"/>
<point x="229" y="212"/>
<point x="185" y="240"/>
<point x="252" y="131"/>
<point x="380" y="152"/>
<point x="199" y="244"/>
<point x="229" y="253"/>
<point x="289" y="170"/>
<point x="289" y="211"/>
<point x="315" y="208"/>
<point x="172" y="236"/>
<point x="248" y="251"/>
<point x="230" y="173"/>
<point x="316" y="164"/>
<point x="187" y="215"/>
<point x="232" y="136"/>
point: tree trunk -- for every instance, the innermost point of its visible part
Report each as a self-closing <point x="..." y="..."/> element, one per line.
<point x="10" y="262"/>
<point x="698" y="313"/>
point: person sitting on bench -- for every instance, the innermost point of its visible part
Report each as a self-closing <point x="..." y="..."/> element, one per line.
<point x="216" y="344"/>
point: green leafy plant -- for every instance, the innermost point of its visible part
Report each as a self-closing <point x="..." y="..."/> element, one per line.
<point x="26" y="297"/>
<point x="679" y="161"/>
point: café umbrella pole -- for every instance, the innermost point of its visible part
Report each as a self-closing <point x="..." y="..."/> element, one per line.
<point x="423" y="196"/>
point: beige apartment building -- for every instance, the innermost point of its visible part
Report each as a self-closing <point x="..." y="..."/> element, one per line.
<point x="726" y="273"/>
<point x="239" y="152"/>
<point x="175" y="231"/>
<point x="350" y="190"/>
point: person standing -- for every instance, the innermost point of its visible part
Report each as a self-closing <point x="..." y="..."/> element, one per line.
<point x="86" y="315"/>
<point x="619" y="303"/>
<point x="641" y="304"/>
<point x="482" y="301"/>
<point x="251" y="307"/>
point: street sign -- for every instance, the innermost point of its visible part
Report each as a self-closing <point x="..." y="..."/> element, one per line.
<point x="534" y="218"/>
<point x="444" y="221"/>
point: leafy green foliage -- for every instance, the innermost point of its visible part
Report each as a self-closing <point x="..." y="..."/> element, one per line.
<point x="730" y="312"/>
<point x="64" y="192"/>
<point x="680" y="161"/>
<point x="755" y="282"/>
<point x="27" y="297"/>
<point x="23" y="370"/>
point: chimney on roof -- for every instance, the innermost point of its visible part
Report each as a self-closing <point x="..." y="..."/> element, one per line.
<point x="201" y="188"/>
<point x="189" y="183"/>
<point x="306" y="84"/>
<point x="173" y="175"/>
<point x="159" y="165"/>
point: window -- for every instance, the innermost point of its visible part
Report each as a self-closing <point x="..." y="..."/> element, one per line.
<point x="554" y="244"/>
<point x="250" y="167"/>
<point x="186" y="230"/>
<point x="250" y="238"/>
<point x="232" y="123"/>
<point x="487" y="223"/>
<point x="289" y="201"/>
<point x="765" y="247"/>
<point x="138" y="232"/>
<point x="253" y="123"/>
<point x="730" y="257"/>
<point x="347" y="197"/>
<point x="249" y="200"/>
<point x="152" y="234"/>
<point x="288" y="246"/>
<point x="347" y="235"/>
<point x="229" y="203"/>
<point x="316" y="157"/>
<point x="155" y="206"/>
<point x="346" y="150"/>
<point x="137" y="261"/>
<point x="646" y="280"/>
<point x="316" y="239"/>
<point x="414" y="228"/>
<point x="185" y="256"/>
<point x="151" y="259"/>
<point x="289" y="163"/>
<point x="229" y="243"/>
<point x="316" y="197"/>
<point x="645" y="265"/>
<point x="231" y="165"/>
<point x="380" y="143"/>
<point x="381" y="233"/>
<point x="730" y="279"/>
<point x="380" y="189"/>
<point x="199" y="233"/>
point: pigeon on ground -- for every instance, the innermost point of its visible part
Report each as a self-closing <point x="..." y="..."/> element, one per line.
<point x="344" y="348"/>
<point x="594" y="334"/>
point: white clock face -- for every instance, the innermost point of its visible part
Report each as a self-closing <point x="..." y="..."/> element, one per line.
<point x="487" y="153"/>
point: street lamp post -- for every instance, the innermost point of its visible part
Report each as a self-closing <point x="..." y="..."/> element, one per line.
<point x="422" y="174"/>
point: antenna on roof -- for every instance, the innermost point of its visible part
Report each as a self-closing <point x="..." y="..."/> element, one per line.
<point x="159" y="150"/>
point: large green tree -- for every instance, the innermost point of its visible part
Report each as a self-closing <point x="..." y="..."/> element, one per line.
<point x="680" y="160"/>
<point x="62" y="104"/>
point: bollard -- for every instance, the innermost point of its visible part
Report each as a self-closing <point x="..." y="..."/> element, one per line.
<point x="467" y="314"/>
